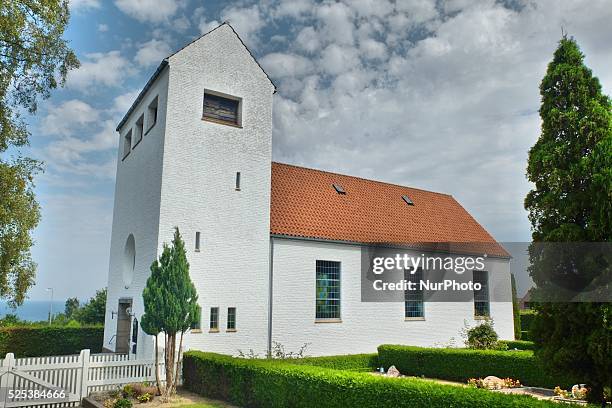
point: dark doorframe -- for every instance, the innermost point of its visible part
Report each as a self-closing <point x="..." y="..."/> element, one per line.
<point x="122" y="339"/>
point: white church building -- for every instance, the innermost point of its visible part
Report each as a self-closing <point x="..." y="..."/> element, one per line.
<point x="275" y="250"/>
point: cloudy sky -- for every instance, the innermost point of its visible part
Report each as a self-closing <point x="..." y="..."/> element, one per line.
<point x="440" y="95"/>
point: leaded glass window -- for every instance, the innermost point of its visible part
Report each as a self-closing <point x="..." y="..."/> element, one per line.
<point x="413" y="299"/>
<point x="481" y="297"/>
<point x="328" y="290"/>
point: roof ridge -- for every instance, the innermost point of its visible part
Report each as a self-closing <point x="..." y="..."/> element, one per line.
<point x="365" y="179"/>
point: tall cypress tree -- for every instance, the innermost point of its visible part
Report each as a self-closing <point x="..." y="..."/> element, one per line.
<point x="571" y="167"/>
<point x="171" y="306"/>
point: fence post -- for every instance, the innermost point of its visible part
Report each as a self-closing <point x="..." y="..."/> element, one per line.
<point x="7" y="365"/>
<point x="84" y="357"/>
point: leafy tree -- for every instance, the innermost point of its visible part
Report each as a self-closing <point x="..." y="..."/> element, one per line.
<point x="171" y="306"/>
<point x="34" y="59"/>
<point x="516" y="311"/>
<point x="70" y="307"/>
<point x="571" y="167"/>
<point x="94" y="310"/>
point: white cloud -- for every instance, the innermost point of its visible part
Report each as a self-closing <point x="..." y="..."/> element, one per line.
<point x="122" y="102"/>
<point x="83" y="5"/>
<point x="247" y="21"/>
<point x="152" y="52"/>
<point x="70" y="115"/>
<point x="108" y="69"/>
<point x="153" y="11"/>
<point x="102" y="28"/>
<point x="280" y="65"/>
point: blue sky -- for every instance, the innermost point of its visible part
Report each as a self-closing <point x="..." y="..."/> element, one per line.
<point x="440" y="95"/>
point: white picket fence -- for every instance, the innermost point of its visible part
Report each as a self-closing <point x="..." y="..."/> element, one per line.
<point x="29" y="381"/>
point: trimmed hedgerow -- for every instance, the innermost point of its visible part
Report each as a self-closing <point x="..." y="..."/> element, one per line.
<point x="36" y="341"/>
<point x="351" y="362"/>
<point x="518" y="344"/>
<point x="462" y="364"/>
<point x="257" y="383"/>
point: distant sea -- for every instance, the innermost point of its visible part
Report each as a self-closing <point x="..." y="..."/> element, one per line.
<point x="33" y="310"/>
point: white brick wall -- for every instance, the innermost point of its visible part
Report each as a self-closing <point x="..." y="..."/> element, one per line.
<point x="136" y="209"/>
<point x="364" y="326"/>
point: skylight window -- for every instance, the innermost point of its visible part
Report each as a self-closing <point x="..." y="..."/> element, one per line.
<point x="339" y="189"/>
<point x="407" y="200"/>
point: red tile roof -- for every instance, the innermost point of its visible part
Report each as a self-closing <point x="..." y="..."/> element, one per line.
<point x="305" y="204"/>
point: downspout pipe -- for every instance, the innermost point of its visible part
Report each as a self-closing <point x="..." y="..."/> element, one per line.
<point x="270" y="297"/>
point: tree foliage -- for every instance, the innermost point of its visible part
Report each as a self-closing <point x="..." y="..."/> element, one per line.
<point x="34" y="59"/>
<point x="571" y="167"/>
<point x="516" y="310"/>
<point x="170" y="304"/>
<point x="93" y="311"/>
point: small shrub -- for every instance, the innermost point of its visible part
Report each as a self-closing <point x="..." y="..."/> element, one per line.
<point x="122" y="403"/>
<point x="482" y="337"/>
<point x="146" y="397"/>
<point x="128" y="391"/>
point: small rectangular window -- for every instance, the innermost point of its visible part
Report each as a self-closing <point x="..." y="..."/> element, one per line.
<point x="139" y="129"/>
<point x="481" y="297"/>
<point x="238" y="180"/>
<point x="197" y="324"/>
<point x="152" y="114"/>
<point x="407" y="200"/>
<point x="413" y="299"/>
<point x="214" y="318"/>
<point x="327" y="290"/>
<point x="197" y="241"/>
<point x="127" y="143"/>
<point x="221" y="109"/>
<point x="339" y="189"/>
<point x="231" y="318"/>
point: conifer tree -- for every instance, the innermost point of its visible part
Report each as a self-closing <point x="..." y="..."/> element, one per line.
<point x="171" y="307"/>
<point x="571" y="167"/>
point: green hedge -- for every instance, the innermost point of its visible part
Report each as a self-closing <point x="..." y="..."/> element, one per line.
<point x="527" y="317"/>
<point x="352" y="362"/>
<point x="462" y="364"/>
<point x="526" y="335"/>
<point x="28" y="341"/>
<point x="256" y="383"/>
<point x="518" y="344"/>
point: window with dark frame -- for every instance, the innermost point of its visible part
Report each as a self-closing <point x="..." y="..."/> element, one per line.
<point x="197" y="241"/>
<point x="197" y="325"/>
<point x="152" y="113"/>
<point x="220" y="109"/>
<point x="481" y="297"/>
<point x="327" y="290"/>
<point x="139" y="129"/>
<point x="127" y="143"/>
<point x="238" y="180"/>
<point x="413" y="299"/>
<point x="214" y="318"/>
<point x="231" y="318"/>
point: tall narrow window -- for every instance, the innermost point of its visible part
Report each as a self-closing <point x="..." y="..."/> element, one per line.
<point x="327" y="290"/>
<point x="219" y="109"/>
<point x="197" y="241"/>
<point x="197" y="324"/>
<point x="139" y="129"/>
<point x="127" y="143"/>
<point x="152" y="114"/>
<point x="231" y="318"/>
<point x="214" y="319"/>
<point x="238" y="180"/>
<point x="413" y="299"/>
<point x="481" y="297"/>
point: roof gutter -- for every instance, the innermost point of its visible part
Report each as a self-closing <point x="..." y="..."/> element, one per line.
<point x="142" y="93"/>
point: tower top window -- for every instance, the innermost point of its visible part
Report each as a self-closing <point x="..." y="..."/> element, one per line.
<point x="222" y="109"/>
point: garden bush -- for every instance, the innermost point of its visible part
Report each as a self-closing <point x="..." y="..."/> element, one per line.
<point x="518" y="344"/>
<point x="352" y="362"/>
<point x="260" y="383"/>
<point x="462" y="364"/>
<point x="527" y="317"/>
<point x="36" y="341"/>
